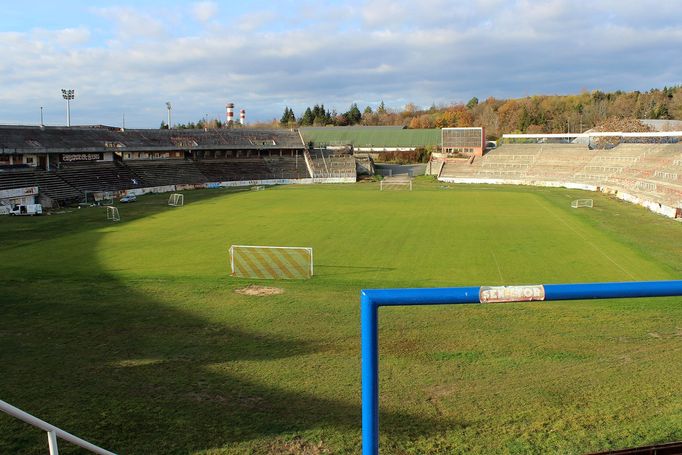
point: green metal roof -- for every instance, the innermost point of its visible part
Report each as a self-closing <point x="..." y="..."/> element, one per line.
<point x="372" y="136"/>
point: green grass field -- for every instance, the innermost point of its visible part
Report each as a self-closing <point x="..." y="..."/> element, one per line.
<point x="131" y="335"/>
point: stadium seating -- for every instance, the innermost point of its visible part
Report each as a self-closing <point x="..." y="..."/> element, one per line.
<point x="48" y="184"/>
<point x="287" y="167"/>
<point x="649" y="171"/>
<point x="166" y="172"/>
<point x="329" y="163"/>
<point x="99" y="176"/>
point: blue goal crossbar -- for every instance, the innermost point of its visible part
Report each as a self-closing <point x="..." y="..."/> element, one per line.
<point x="372" y="299"/>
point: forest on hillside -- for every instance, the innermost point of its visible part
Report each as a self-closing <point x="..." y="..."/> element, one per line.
<point x="532" y="114"/>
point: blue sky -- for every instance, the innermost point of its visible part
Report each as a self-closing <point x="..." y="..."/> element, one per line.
<point x="129" y="58"/>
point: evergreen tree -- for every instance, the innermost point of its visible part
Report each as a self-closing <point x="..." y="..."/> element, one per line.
<point x="353" y="115"/>
<point x="382" y="108"/>
<point x="307" y="118"/>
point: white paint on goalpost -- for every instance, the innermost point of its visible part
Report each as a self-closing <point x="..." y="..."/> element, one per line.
<point x="112" y="213"/>
<point x="176" y="200"/>
<point x="579" y="203"/>
<point x="271" y="262"/>
<point x="397" y="181"/>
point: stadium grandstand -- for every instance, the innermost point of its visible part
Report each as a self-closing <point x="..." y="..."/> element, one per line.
<point x="67" y="164"/>
<point x="648" y="174"/>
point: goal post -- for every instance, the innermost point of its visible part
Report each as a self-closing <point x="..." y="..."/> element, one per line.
<point x="580" y="203"/>
<point x="107" y="198"/>
<point x="112" y="213"/>
<point x="271" y="262"/>
<point x="176" y="200"/>
<point x="395" y="184"/>
<point x="372" y="299"/>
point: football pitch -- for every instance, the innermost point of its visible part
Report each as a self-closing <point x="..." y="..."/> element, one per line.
<point x="131" y="335"/>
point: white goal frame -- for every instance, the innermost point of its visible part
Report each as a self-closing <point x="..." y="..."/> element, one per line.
<point x="176" y="200"/>
<point x="258" y="188"/>
<point x="270" y="262"/>
<point x="390" y="183"/>
<point x="582" y="203"/>
<point x="112" y="213"/>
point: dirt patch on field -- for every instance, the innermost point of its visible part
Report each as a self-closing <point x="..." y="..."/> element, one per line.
<point x="259" y="291"/>
<point x="296" y="446"/>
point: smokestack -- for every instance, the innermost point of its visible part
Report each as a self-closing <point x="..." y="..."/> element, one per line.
<point x="230" y="113"/>
<point x="242" y="117"/>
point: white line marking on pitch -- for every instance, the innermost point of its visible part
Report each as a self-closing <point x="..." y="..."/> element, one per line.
<point x="587" y="241"/>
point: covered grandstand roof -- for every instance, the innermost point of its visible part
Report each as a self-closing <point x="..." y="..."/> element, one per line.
<point x="51" y="139"/>
<point x="371" y="136"/>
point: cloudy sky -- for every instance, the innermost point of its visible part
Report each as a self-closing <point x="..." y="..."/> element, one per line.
<point x="130" y="57"/>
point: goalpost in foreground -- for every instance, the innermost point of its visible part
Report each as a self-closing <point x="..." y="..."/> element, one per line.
<point x="176" y="200"/>
<point x="579" y="203"/>
<point x="112" y="213"/>
<point x="271" y="262"/>
<point x="372" y="299"/>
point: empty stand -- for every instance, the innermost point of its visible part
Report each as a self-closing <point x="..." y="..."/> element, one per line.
<point x="48" y="184"/>
<point x="99" y="176"/>
<point x="328" y="163"/>
<point x="166" y="172"/>
<point x="651" y="171"/>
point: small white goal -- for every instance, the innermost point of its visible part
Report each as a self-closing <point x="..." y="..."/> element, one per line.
<point x="258" y="188"/>
<point x="176" y="200"/>
<point x="395" y="183"/>
<point x="112" y="213"/>
<point x="582" y="203"/>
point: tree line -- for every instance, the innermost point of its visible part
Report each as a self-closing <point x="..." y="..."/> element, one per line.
<point x="532" y="114"/>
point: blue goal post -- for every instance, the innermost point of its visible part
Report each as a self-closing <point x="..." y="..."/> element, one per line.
<point x="372" y="299"/>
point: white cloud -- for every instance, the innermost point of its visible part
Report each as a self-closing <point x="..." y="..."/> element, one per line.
<point x="204" y="11"/>
<point x="334" y="55"/>
<point x="132" y="23"/>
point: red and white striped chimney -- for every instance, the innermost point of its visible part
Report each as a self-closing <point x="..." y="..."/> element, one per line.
<point x="242" y="117"/>
<point x="230" y="113"/>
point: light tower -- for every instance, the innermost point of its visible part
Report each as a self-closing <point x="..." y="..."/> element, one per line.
<point x="68" y="95"/>
<point x="242" y="117"/>
<point x="168" y="106"/>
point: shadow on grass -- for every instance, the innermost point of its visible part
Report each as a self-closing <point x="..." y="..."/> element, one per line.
<point x="134" y="374"/>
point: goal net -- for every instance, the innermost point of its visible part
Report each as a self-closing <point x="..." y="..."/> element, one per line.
<point x="112" y="214"/>
<point x="257" y="188"/>
<point x="176" y="200"/>
<point x="271" y="262"/>
<point x="396" y="183"/>
<point x="579" y="203"/>
<point x="107" y="198"/>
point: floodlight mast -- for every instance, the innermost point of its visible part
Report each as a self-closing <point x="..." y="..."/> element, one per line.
<point x="68" y="95"/>
<point x="168" y="106"/>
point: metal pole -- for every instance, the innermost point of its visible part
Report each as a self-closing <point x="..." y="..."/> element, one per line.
<point x="52" y="443"/>
<point x="41" y="116"/>
<point x="372" y="299"/>
<point x="68" y="112"/>
<point x="370" y="375"/>
<point x="36" y="422"/>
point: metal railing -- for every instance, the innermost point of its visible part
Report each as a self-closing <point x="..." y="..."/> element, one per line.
<point x="52" y="432"/>
<point x="372" y="299"/>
